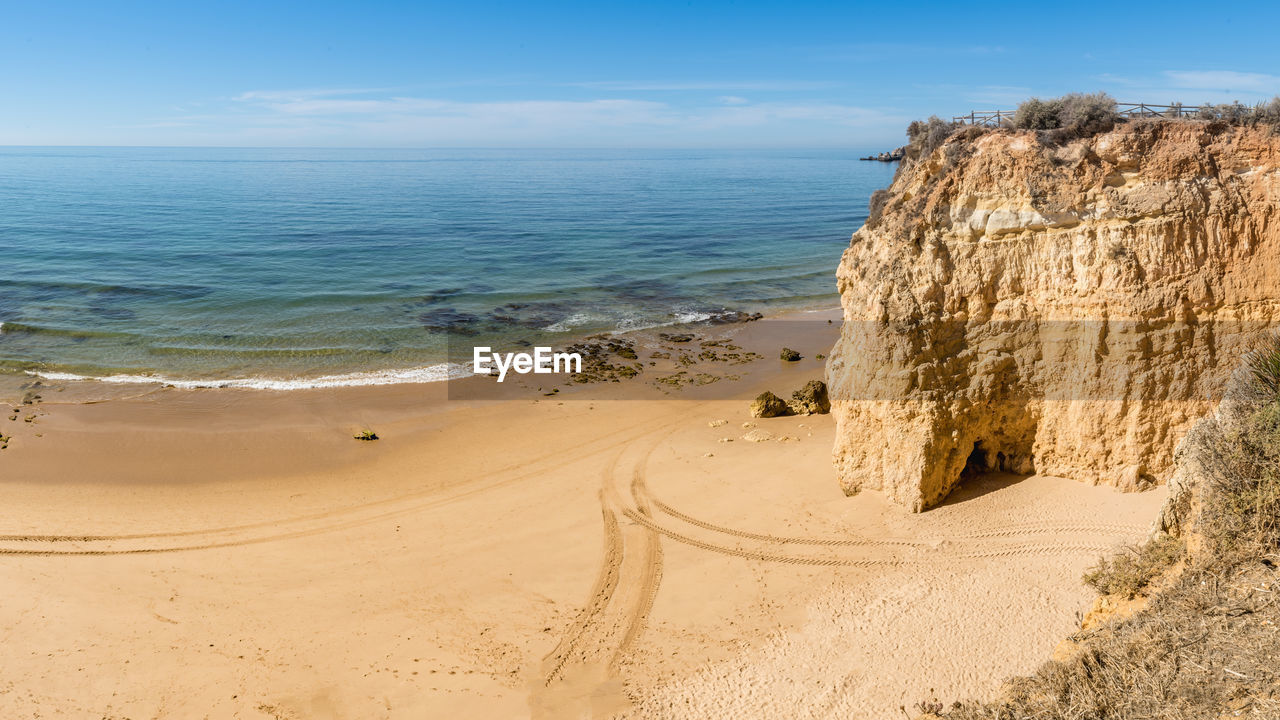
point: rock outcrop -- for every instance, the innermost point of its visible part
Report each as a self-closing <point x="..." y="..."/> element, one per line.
<point x="768" y="405"/>
<point x="812" y="399"/>
<point x="889" y="156"/>
<point x="1067" y="310"/>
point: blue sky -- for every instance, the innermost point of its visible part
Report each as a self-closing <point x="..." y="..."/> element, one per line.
<point x="601" y="74"/>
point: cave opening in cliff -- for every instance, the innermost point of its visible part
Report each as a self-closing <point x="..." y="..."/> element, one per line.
<point x="978" y="462"/>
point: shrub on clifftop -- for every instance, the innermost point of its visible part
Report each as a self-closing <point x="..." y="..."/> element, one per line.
<point x="928" y="135"/>
<point x="1074" y="115"/>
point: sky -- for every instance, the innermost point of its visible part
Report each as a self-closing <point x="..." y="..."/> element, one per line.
<point x="597" y="74"/>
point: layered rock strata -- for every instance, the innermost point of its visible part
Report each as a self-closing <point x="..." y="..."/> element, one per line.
<point x="1061" y="309"/>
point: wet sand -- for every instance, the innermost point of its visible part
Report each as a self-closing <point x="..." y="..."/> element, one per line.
<point x="607" y="550"/>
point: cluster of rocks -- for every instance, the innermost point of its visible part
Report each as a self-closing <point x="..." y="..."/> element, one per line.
<point x="727" y="317"/>
<point x="811" y="399"/>
<point x="606" y="359"/>
<point x="716" y="351"/>
<point x="890" y="156"/>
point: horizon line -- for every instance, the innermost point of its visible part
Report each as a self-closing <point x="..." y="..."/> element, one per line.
<point x="443" y="147"/>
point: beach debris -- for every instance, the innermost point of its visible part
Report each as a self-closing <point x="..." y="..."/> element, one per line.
<point x="367" y="435"/>
<point x="681" y="378"/>
<point x="812" y="399"/>
<point x="598" y="354"/>
<point x="748" y="425"/>
<point x="758" y="435"/>
<point x="708" y="455"/>
<point x="819" y="356"/>
<point x="725" y="351"/>
<point x="677" y="337"/>
<point x="717" y="423"/>
<point x="726" y="439"/>
<point x="789" y="355"/>
<point x="767" y="405"/>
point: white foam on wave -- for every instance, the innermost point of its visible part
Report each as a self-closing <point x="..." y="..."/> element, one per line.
<point x="430" y="373"/>
<point x="573" y="321"/>
<point x="691" y="317"/>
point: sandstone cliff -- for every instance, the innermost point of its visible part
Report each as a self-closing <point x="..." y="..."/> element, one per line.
<point x="1067" y="310"/>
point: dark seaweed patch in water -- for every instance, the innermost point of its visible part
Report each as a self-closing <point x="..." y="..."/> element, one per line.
<point x="180" y="292"/>
<point x="530" y="315"/>
<point x="27" y="291"/>
<point x="640" y="292"/>
<point x="107" y="312"/>
<point x="441" y="295"/>
<point x="450" y="320"/>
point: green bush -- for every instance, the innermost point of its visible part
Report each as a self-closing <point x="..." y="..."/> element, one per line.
<point x="1037" y="114"/>
<point x="1074" y="115"/>
<point x="1265" y="113"/>
<point x="925" y="136"/>
<point x="879" y="199"/>
<point x="1130" y="573"/>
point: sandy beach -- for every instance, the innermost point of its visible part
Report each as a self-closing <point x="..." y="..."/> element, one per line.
<point x="629" y="551"/>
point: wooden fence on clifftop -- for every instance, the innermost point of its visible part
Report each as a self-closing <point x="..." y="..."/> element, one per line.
<point x="996" y="118"/>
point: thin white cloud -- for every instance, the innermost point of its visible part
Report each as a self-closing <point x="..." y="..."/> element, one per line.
<point x="1193" y="87"/>
<point x="1224" y="80"/>
<point x="341" y="117"/>
<point x="298" y="95"/>
<point x="712" y="86"/>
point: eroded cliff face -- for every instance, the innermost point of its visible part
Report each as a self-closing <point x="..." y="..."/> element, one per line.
<point x="1065" y="310"/>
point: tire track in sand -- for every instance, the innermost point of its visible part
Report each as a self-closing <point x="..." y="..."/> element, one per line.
<point x="342" y="518"/>
<point x="1019" y="530"/>
<point x="642" y="498"/>
<point x="626" y="586"/>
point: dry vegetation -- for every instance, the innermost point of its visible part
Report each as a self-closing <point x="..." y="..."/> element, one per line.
<point x="1058" y="121"/>
<point x="1207" y="645"/>
<point x="1081" y="115"/>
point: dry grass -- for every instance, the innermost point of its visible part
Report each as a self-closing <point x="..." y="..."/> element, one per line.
<point x="1131" y="572"/>
<point x="1208" y="643"/>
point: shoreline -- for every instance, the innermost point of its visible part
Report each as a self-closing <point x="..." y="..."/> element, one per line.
<point x="13" y="385"/>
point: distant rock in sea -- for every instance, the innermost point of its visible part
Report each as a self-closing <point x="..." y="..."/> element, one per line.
<point x="890" y="156"/>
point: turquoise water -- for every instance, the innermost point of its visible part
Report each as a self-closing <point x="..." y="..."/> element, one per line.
<point x="296" y="264"/>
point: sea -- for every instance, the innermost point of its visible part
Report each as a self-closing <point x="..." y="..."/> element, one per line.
<point x="294" y="268"/>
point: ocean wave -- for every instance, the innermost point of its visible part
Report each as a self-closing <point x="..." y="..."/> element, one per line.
<point x="427" y="374"/>
<point x="575" y="320"/>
